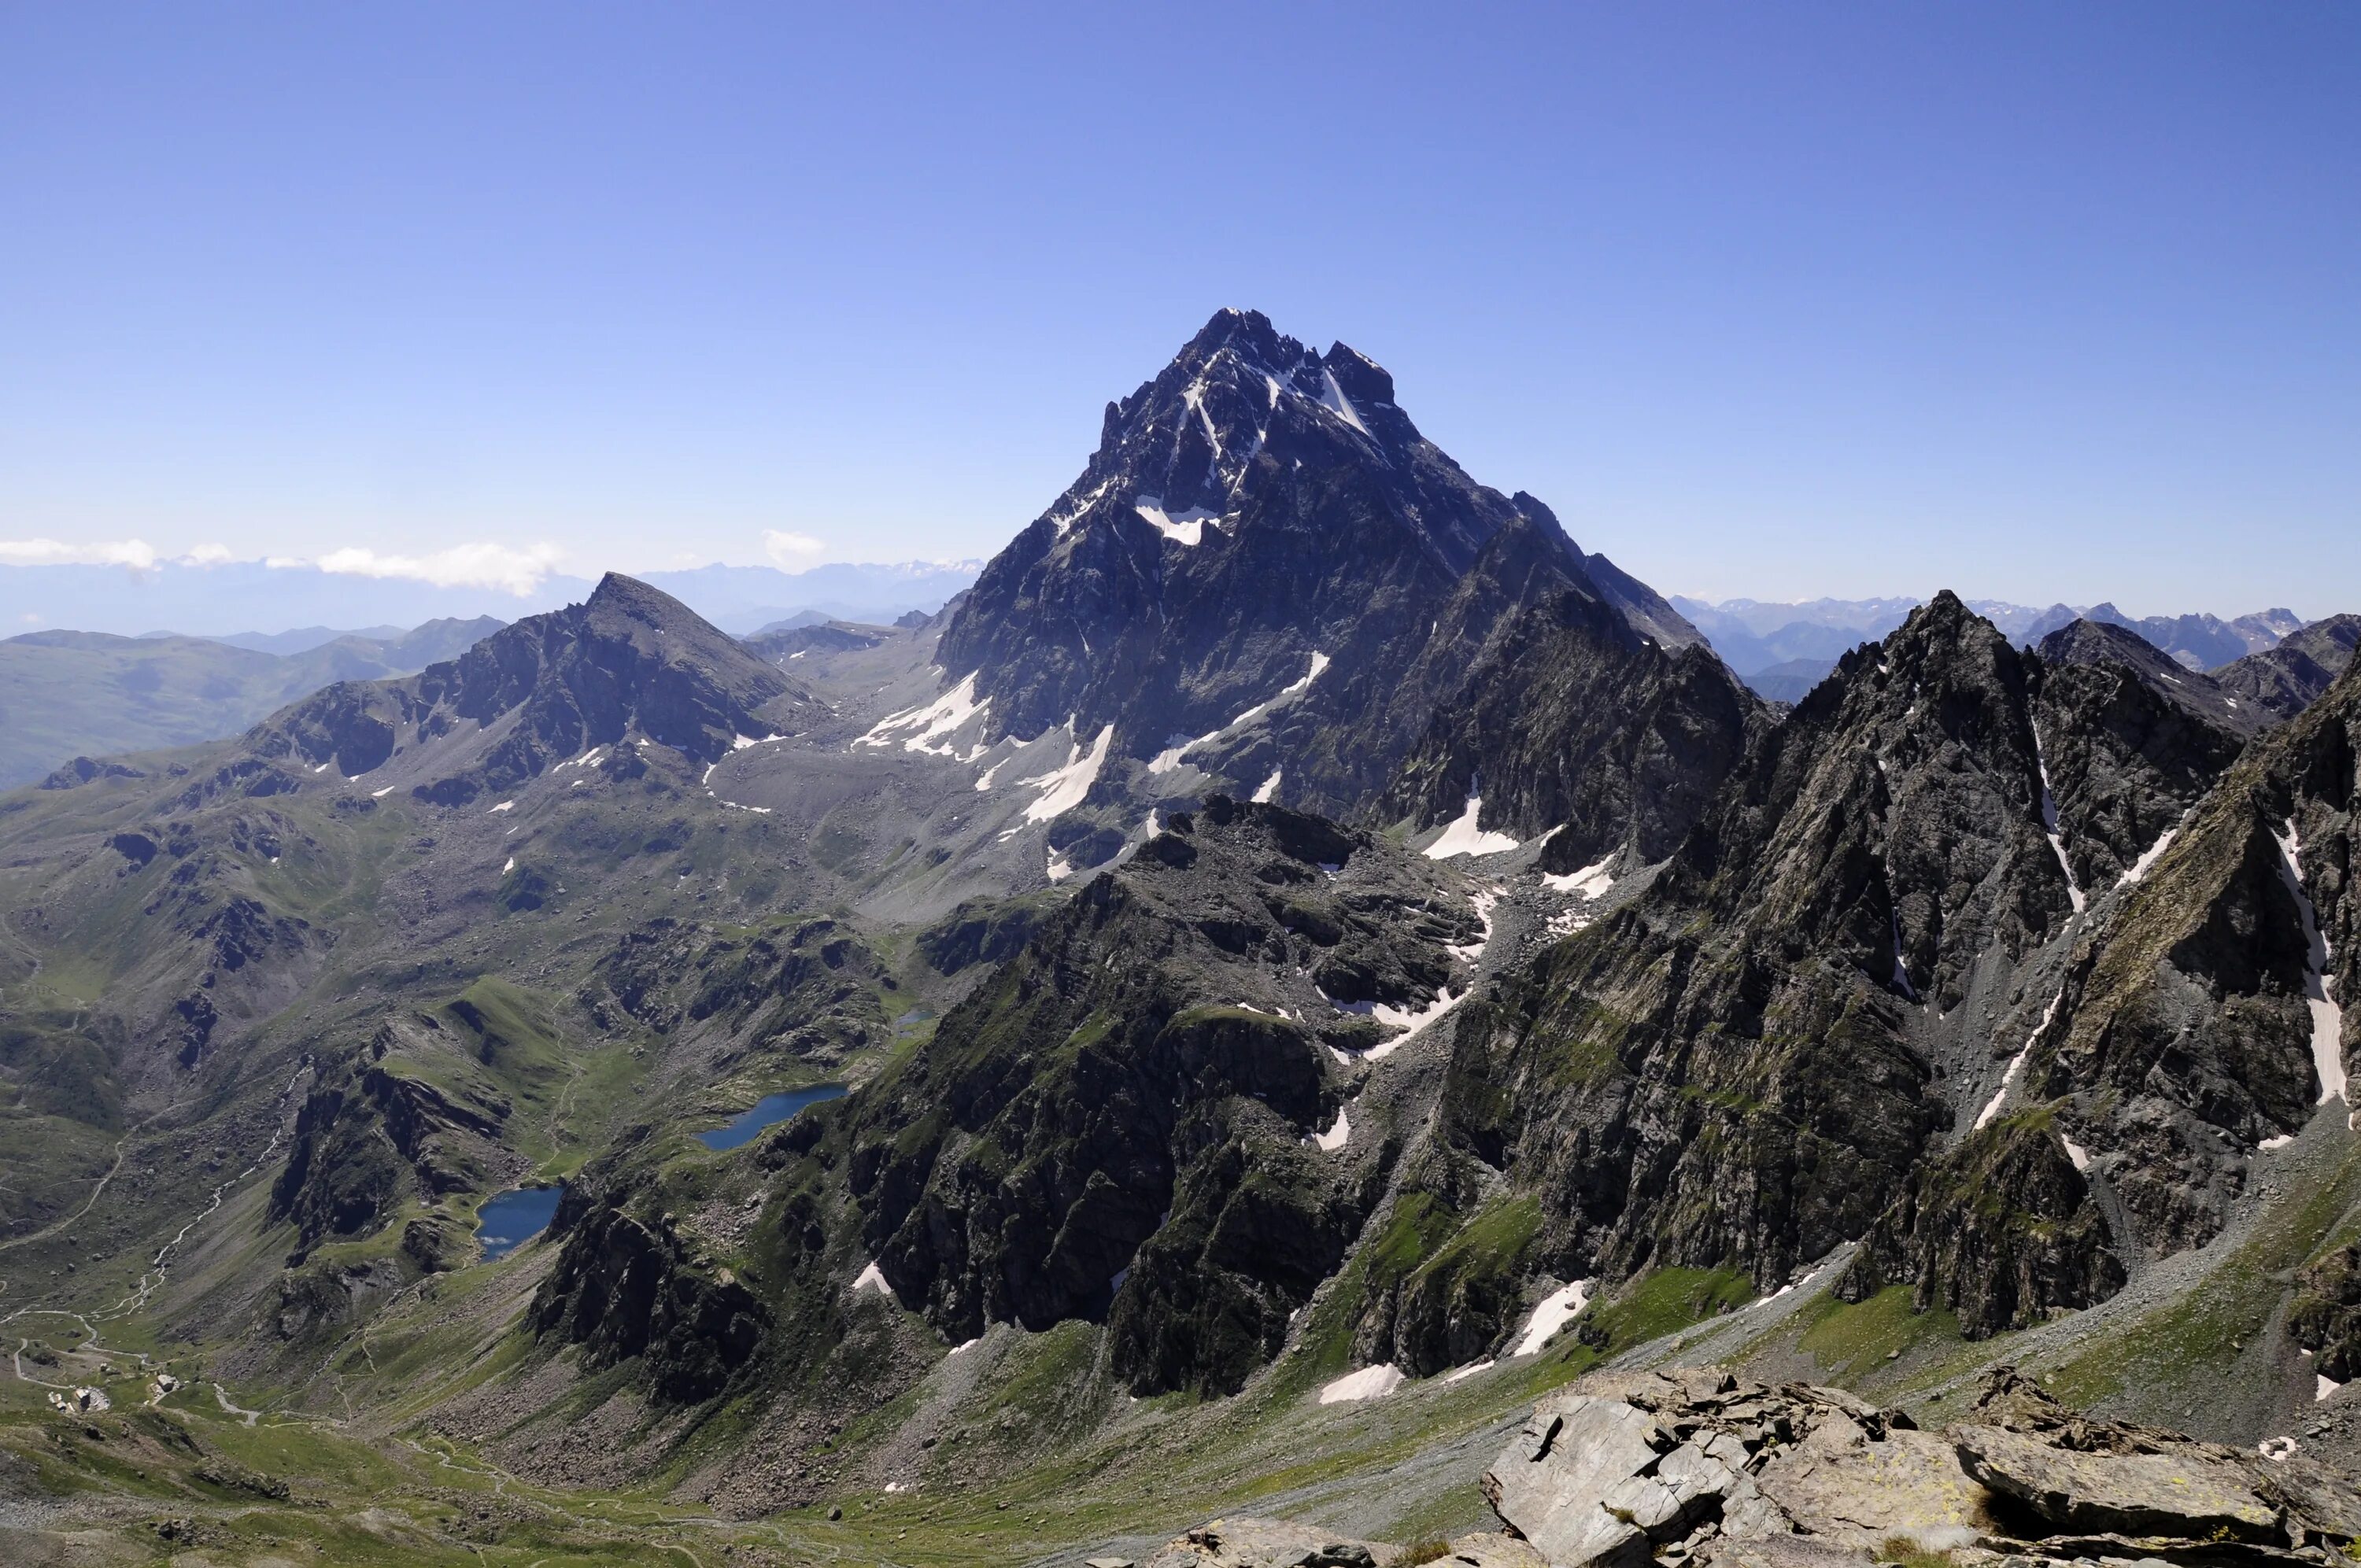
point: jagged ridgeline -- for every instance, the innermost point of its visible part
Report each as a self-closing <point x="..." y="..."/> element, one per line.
<point x="1299" y="931"/>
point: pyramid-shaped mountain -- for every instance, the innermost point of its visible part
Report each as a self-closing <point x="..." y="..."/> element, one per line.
<point x="1267" y="574"/>
<point x="629" y="662"/>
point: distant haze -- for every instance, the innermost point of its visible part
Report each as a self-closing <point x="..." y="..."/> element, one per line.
<point x="248" y="597"/>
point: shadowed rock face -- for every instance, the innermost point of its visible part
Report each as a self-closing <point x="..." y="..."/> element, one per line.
<point x="1999" y="1230"/>
<point x="1253" y="505"/>
<point x="623" y="1287"/>
<point x="628" y="662"/>
<point x="2133" y="741"/>
<point x="1578" y="725"/>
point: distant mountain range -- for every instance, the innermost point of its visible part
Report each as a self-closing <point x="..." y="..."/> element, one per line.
<point x="242" y="599"/>
<point x="1785" y="650"/>
<point x="69" y="694"/>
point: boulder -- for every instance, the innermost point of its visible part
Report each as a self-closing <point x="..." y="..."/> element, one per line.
<point x="2190" y="1492"/>
<point x="2322" y="1506"/>
<point x="1840" y="1483"/>
<point x="1269" y="1544"/>
<point x="1492" y="1549"/>
<point x="1576" y="1481"/>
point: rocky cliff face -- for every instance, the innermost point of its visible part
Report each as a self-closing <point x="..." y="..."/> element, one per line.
<point x="624" y="1288"/>
<point x="1259" y="522"/>
<point x="2138" y="740"/>
<point x="2204" y="1020"/>
<point x="2000" y="1230"/>
<point x="1576" y="725"/>
<point x="369" y="1139"/>
<point x="1746" y="1065"/>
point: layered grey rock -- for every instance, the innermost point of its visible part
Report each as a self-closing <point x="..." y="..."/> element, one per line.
<point x="1697" y="1465"/>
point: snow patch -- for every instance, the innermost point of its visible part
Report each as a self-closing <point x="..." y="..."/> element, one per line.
<point x="1062" y="790"/>
<point x="1060" y="868"/>
<point x="2323" y="1387"/>
<point x="1551" y="1313"/>
<point x="1334" y="1138"/>
<point x="2050" y="827"/>
<point x="1482" y="901"/>
<point x="872" y="1279"/>
<point x="1185" y="528"/>
<point x="1083" y="504"/>
<point x="1333" y="397"/>
<point x="930" y="723"/>
<point x="1178" y="747"/>
<point x="963" y="1349"/>
<point x="1463" y="836"/>
<point x="2075" y="1152"/>
<point x="2147" y="862"/>
<point x="2017" y="1063"/>
<point x="2327" y="1018"/>
<point x="509" y="867"/>
<point x="1270" y="786"/>
<point x="504" y="805"/>
<point x="381" y="793"/>
<point x="1590" y="882"/>
<point x="1368" y="1383"/>
<point x="2280" y="1142"/>
<point x="1472" y="1367"/>
<point x="1412" y="1024"/>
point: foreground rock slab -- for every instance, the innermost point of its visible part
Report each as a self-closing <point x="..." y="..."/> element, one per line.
<point x="2186" y="1492"/>
<point x="1272" y="1543"/>
<point x="1696" y="1466"/>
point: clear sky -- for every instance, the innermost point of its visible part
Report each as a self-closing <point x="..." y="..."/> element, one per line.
<point x="2038" y="301"/>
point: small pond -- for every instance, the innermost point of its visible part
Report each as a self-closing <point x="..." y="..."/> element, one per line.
<point x="510" y="1219"/>
<point x="766" y="1112"/>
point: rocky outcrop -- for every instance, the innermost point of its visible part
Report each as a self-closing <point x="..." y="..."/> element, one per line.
<point x="624" y="1288"/>
<point x="2204" y="1017"/>
<point x="1656" y="1461"/>
<point x="368" y="1139"/>
<point x="1732" y="1069"/>
<point x="807" y="986"/>
<point x="2132" y="741"/>
<point x="981" y="931"/>
<point x="86" y="770"/>
<point x="2325" y="1316"/>
<point x="1262" y="1543"/>
<point x="1698" y="1465"/>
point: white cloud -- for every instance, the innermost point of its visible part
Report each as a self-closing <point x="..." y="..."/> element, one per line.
<point x="206" y="556"/>
<point x="481" y="566"/>
<point x="135" y="554"/>
<point x="791" y="551"/>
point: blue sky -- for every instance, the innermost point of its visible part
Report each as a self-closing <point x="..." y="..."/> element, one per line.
<point x="2037" y="300"/>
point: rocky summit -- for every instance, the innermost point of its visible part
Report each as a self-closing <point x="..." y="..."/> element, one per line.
<point x="1306" y="1020"/>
